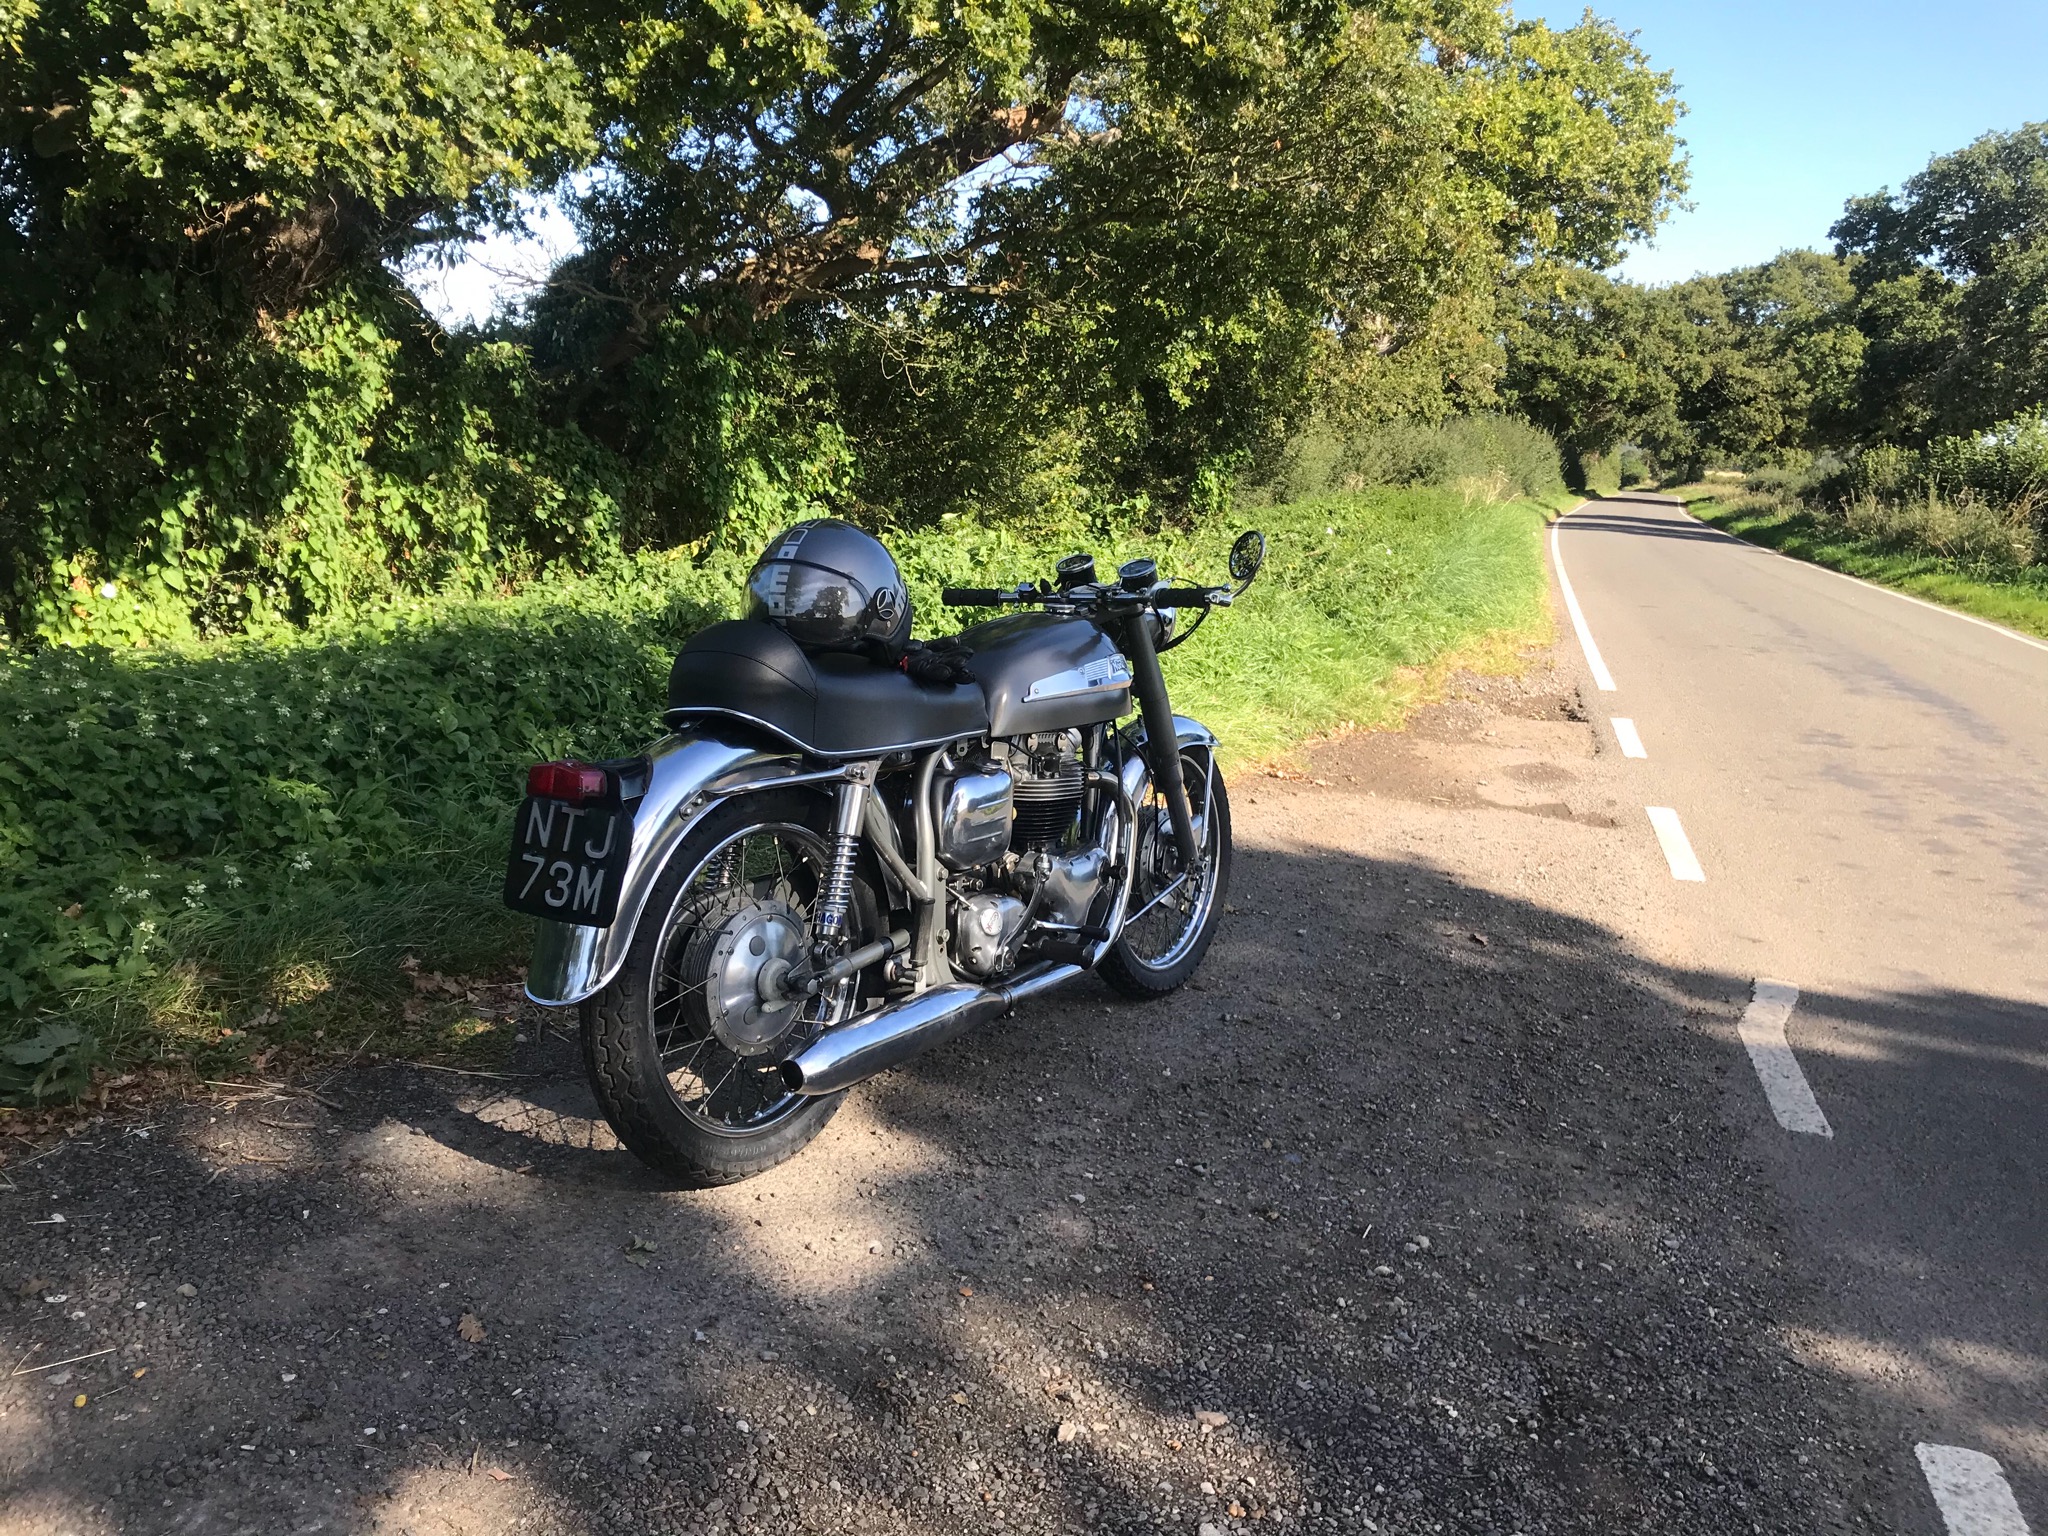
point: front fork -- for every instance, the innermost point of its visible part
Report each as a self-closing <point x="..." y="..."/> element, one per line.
<point x="1161" y="741"/>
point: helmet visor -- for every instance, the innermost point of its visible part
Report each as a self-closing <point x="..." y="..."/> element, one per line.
<point x="816" y="606"/>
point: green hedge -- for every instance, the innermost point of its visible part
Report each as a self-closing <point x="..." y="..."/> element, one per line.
<point x="2003" y="468"/>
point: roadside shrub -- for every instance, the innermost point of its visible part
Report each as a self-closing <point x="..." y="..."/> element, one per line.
<point x="1484" y="457"/>
<point x="1598" y="474"/>
<point x="2001" y="468"/>
<point x="1973" y="533"/>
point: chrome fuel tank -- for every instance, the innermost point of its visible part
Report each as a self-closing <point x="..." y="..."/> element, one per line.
<point x="1046" y="671"/>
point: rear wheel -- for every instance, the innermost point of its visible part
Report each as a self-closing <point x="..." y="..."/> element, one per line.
<point x="681" y="1047"/>
<point x="1173" y="912"/>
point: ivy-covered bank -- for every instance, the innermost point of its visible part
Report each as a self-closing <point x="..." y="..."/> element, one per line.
<point x="214" y="850"/>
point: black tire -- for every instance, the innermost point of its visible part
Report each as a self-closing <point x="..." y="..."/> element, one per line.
<point x="620" y="1050"/>
<point x="1125" y="967"/>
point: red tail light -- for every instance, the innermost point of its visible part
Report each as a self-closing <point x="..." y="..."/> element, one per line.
<point x="578" y="783"/>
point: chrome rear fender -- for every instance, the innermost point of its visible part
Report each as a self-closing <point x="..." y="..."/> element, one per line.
<point x="686" y="774"/>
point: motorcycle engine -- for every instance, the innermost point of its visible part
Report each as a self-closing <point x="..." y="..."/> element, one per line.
<point x="1047" y="789"/>
<point x="1056" y="871"/>
<point x="1048" y="874"/>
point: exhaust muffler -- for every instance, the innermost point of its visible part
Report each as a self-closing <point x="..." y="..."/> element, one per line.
<point x="854" y="1052"/>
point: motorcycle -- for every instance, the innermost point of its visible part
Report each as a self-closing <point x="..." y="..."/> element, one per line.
<point x="833" y="865"/>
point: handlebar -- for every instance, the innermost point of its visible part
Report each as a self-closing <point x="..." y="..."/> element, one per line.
<point x="1159" y="597"/>
<point x="1190" y="597"/>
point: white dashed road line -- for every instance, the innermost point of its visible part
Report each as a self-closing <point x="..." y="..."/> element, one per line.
<point x="1630" y="738"/>
<point x="1602" y="678"/>
<point x="1763" y="1035"/>
<point x="1971" y="1491"/>
<point x="1685" y="864"/>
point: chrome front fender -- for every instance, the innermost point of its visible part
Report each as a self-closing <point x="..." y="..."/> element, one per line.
<point x="1187" y="733"/>
<point x="570" y="960"/>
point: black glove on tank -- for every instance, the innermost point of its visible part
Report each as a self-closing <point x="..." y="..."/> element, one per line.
<point x="938" y="663"/>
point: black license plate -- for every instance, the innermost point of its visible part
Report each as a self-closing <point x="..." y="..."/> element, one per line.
<point x="568" y="860"/>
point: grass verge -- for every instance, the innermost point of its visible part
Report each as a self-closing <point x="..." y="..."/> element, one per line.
<point x="251" y="855"/>
<point x="2018" y="600"/>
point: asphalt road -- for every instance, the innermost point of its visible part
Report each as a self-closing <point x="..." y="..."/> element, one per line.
<point x="1864" y="783"/>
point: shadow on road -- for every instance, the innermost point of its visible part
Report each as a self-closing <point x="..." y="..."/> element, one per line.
<point x="1002" y="1286"/>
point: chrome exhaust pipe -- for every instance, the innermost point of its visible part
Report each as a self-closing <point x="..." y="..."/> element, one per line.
<point x="854" y="1052"/>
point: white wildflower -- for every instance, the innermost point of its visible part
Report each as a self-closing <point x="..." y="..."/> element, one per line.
<point x="302" y="860"/>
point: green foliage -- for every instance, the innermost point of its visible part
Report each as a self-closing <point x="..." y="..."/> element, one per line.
<point x="1483" y="457"/>
<point x="212" y="483"/>
<point x="140" y="788"/>
<point x="1730" y="369"/>
<point x="1929" y="323"/>
<point x="404" y="106"/>
<point x="1954" y="274"/>
<point x="194" y="835"/>
<point x="1981" y="501"/>
<point x="55" y="1062"/>
<point x="218" y="409"/>
<point x="1126" y="245"/>
<point x="903" y="260"/>
<point x="1593" y="361"/>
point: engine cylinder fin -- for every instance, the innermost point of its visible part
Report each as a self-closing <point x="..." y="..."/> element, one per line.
<point x="1046" y="807"/>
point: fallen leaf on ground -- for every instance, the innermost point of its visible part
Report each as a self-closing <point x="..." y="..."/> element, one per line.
<point x="74" y="910"/>
<point x="638" y="1251"/>
<point x="470" y="1328"/>
<point x="496" y="1476"/>
<point x="78" y="1401"/>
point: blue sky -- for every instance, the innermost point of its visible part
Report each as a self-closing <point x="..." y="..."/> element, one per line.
<point x="1798" y="106"/>
<point x="1794" y="108"/>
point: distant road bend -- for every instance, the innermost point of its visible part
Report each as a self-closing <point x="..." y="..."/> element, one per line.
<point x="1861" y="783"/>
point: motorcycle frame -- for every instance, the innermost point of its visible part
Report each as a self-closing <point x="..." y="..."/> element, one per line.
<point x="691" y="773"/>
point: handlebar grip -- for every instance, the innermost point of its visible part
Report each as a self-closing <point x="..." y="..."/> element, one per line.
<point x="974" y="597"/>
<point x="1182" y="597"/>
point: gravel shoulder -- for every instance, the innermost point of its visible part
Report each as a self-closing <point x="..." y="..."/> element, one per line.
<point x="1419" y="1212"/>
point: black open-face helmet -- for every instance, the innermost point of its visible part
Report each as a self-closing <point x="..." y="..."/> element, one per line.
<point x="831" y="588"/>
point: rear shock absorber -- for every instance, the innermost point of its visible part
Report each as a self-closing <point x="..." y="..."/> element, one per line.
<point x="835" y="894"/>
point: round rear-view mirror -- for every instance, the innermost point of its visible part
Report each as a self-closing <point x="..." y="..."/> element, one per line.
<point x="1246" y="556"/>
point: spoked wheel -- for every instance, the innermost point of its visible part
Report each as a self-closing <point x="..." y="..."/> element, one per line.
<point x="1173" y="910"/>
<point x="682" y="1047"/>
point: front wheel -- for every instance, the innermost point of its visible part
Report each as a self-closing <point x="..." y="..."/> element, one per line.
<point x="1174" y="911"/>
<point x="682" y="1047"/>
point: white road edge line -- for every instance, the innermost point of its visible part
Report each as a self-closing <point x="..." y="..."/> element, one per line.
<point x="1630" y="738"/>
<point x="1971" y="1491"/>
<point x="1685" y="864"/>
<point x="1602" y="678"/>
<point x="1871" y="586"/>
<point x="1763" y="1035"/>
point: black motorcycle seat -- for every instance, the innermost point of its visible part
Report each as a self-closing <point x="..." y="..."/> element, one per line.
<point x="831" y="705"/>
